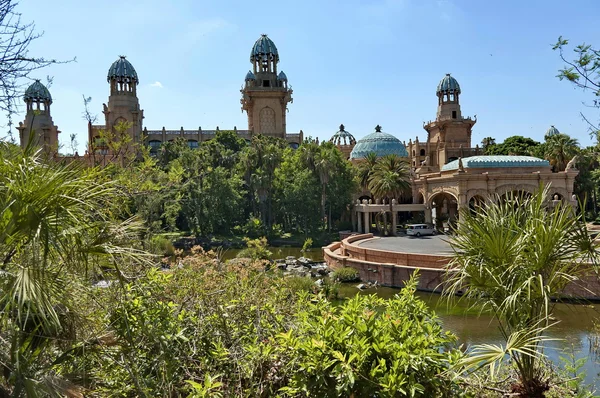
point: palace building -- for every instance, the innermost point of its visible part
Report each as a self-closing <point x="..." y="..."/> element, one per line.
<point x="448" y="172"/>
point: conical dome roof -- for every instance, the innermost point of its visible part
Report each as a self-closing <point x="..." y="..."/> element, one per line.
<point x="122" y="70"/>
<point x="264" y="48"/>
<point x="552" y="131"/>
<point x="448" y="85"/>
<point x="282" y="76"/>
<point x="379" y="143"/>
<point x="342" y="137"/>
<point x="37" y="92"/>
<point x="250" y="76"/>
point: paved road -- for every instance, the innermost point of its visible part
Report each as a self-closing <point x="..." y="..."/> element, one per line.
<point x="411" y="244"/>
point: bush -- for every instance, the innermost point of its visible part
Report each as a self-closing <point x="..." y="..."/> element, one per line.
<point x="162" y="246"/>
<point x="369" y="347"/>
<point x="346" y="274"/>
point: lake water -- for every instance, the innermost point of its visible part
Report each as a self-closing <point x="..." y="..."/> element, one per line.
<point x="574" y="329"/>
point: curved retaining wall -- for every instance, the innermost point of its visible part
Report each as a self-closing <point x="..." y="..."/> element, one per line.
<point x="393" y="269"/>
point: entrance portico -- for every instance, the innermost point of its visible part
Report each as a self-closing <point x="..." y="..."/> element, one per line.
<point x="365" y="208"/>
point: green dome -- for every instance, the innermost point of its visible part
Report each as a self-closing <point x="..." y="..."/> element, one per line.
<point x="552" y="131"/>
<point x="380" y="144"/>
<point x="264" y="48"/>
<point x="343" y="137"/>
<point x="37" y="92"/>
<point x="448" y="85"/>
<point x="499" y="161"/>
<point x="122" y="70"/>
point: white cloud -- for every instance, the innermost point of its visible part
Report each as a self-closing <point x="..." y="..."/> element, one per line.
<point x="157" y="84"/>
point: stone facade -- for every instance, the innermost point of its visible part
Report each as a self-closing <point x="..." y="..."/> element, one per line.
<point x="265" y="97"/>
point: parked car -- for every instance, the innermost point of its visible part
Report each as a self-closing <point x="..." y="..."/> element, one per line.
<point x="419" y="229"/>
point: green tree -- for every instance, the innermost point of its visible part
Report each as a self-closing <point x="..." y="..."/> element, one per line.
<point x="513" y="257"/>
<point x="514" y="145"/>
<point x="560" y="149"/>
<point x="584" y="72"/>
<point x="60" y="227"/>
<point x="365" y="169"/>
<point x="390" y="178"/>
<point x="486" y="142"/>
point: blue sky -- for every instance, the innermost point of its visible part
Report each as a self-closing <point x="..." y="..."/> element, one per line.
<point x="360" y="63"/>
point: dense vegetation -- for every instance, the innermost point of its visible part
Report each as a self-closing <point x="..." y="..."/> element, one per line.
<point x="227" y="186"/>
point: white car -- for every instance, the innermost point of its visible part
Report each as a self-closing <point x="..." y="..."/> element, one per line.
<point x="419" y="229"/>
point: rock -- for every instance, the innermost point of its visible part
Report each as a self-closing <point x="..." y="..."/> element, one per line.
<point x="305" y="261"/>
<point x="290" y="258"/>
<point x="319" y="282"/>
<point x="361" y="286"/>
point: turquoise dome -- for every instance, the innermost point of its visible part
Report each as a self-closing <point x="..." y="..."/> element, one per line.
<point x="448" y="85"/>
<point x="37" y="92"/>
<point x="552" y="131"/>
<point x="122" y="70"/>
<point x="499" y="161"/>
<point x="264" y="48"/>
<point x="342" y="137"/>
<point x="250" y="76"/>
<point x="379" y="143"/>
<point x="282" y="77"/>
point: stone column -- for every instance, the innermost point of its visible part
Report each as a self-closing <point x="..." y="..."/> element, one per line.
<point x="394" y="217"/>
<point x="367" y="221"/>
<point x="428" y="216"/>
<point x="359" y="217"/>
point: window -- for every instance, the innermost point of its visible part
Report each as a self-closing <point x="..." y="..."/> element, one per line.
<point x="266" y="83"/>
<point x="154" y="146"/>
<point x="422" y="152"/>
<point x="193" y="144"/>
<point x="453" y="114"/>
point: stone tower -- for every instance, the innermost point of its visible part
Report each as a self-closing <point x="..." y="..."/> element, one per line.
<point x="450" y="132"/>
<point x="38" y="129"/>
<point x="123" y="104"/>
<point x="266" y="94"/>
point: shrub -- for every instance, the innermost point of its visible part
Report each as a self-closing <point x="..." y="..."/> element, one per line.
<point x="308" y="242"/>
<point x="346" y="274"/>
<point x="162" y="246"/>
<point x="368" y="347"/>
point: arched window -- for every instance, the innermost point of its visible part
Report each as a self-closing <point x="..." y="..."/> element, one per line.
<point x="267" y="121"/>
<point x="294" y="145"/>
<point x="193" y="144"/>
<point x="422" y="152"/>
<point x="154" y="146"/>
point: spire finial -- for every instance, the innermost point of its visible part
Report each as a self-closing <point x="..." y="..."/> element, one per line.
<point x="378" y="129"/>
<point x="341" y="127"/>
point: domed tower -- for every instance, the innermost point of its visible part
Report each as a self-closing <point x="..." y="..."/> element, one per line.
<point x="266" y="93"/>
<point x="344" y="141"/>
<point x="38" y="126"/>
<point x="123" y="104"/>
<point x="550" y="132"/>
<point x="380" y="144"/>
<point x="449" y="135"/>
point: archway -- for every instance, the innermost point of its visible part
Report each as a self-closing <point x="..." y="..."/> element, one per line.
<point x="476" y="203"/>
<point x="444" y="206"/>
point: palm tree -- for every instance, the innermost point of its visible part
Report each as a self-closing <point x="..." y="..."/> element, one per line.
<point x="487" y="141"/>
<point x="325" y="161"/>
<point x="512" y="257"/>
<point x="560" y="148"/>
<point x="56" y="230"/>
<point x="390" y="178"/>
<point x="365" y="169"/>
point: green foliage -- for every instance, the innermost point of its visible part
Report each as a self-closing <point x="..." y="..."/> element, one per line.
<point x="368" y="347"/>
<point x="161" y="245"/>
<point x="308" y="242"/>
<point x="514" y="145"/>
<point x="346" y="274"/>
<point x="583" y="72"/>
<point x="512" y="257"/>
<point x="257" y="249"/>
